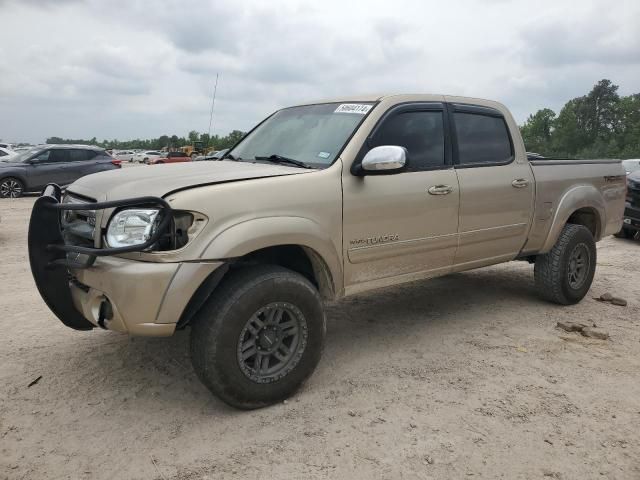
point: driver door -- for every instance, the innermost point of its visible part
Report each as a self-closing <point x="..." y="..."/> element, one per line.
<point x="406" y="224"/>
<point x="47" y="167"/>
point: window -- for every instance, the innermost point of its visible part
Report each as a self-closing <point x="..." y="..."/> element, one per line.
<point x="420" y="132"/>
<point x="2" y="154"/>
<point x="89" y="154"/>
<point x="482" y="139"/>
<point x="42" y="157"/>
<point x="58" y="155"/>
<point x="77" y="155"/>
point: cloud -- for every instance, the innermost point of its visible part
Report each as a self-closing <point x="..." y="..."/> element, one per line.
<point x="129" y="69"/>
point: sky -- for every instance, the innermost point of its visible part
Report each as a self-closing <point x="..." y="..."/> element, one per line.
<point x="130" y="69"/>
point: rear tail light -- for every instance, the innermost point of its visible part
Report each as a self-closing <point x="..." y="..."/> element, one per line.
<point x="116" y="162"/>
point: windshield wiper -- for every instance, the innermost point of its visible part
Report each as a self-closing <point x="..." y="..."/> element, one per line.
<point x="280" y="159"/>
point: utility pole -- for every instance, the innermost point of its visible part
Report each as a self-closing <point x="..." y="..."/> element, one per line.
<point x="213" y="102"/>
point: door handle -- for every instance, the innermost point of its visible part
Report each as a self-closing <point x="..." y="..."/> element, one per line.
<point x="440" y="190"/>
<point x="520" y="183"/>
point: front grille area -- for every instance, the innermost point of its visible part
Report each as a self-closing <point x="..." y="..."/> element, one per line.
<point x="78" y="226"/>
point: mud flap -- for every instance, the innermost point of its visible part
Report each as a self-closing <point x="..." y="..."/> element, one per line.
<point x="53" y="283"/>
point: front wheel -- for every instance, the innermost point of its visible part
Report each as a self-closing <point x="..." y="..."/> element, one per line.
<point x="259" y="336"/>
<point x="564" y="274"/>
<point x="11" y="187"/>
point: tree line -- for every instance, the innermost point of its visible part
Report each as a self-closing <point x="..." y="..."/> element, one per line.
<point x="210" y="142"/>
<point x="600" y="124"/>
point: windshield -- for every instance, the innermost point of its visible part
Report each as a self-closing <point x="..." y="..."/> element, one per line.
<point x="313" y="134"/>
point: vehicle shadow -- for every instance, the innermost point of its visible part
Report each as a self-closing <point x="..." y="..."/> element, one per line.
<point x="158" y="370"/>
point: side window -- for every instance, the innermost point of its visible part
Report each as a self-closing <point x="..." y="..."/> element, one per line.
<point x="77" y="155"/>
<point x="89" y="154"/>
<point x="42" y="157"/>
<point x="2" y="154"/>
<point x="482" y="139"/>
<point x="420" y="132"/>
<point x="58" y="155"/>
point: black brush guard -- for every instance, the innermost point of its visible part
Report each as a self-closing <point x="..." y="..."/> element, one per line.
<point x="48" y="251"/>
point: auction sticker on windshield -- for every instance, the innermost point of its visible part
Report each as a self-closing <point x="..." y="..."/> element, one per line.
<point x="359" y="108"/>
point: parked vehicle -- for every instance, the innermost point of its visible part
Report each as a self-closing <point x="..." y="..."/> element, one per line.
<point x="124" y="155"/>
<point x="194" y="150"/>
<point x="631" y="166"/>
<point x="631" y="221"/>
<point x="317" y="202"/>
<point x="214" y="156"/>
<point x="8" y="146"/>
<point x="145" y="157"/>
<point x="169" y="157"/>
<point x="6" y="153"/>
<point x="30" y="171"/>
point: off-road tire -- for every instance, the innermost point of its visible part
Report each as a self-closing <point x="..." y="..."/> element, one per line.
<point x="11" y="187"/>
<point x="625" y="233"/>
<point x="218" y="326"/>
<point x="551" y="270"/>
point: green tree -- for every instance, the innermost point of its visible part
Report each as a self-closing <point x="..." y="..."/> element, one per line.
<point x="537" y="130"/>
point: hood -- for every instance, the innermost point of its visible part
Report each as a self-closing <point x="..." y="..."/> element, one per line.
<point x="160" y="180"/>
<point x="8" y="163"/>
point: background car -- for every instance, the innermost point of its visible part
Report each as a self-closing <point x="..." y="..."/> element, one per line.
<point x="6" y="153"/>
<point x="144" y="157"/>
<point x="170" y="157"/>
<point x="124" y="155"/>
<point x="62" y="164"/>
<point x="214" y="156"/>
<point x="631" y="165"/>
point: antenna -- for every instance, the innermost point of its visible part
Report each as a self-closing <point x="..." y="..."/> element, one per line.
<point x="213" y="102"/>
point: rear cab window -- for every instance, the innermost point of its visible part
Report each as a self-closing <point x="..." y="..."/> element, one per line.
<point x="482" y="137"/>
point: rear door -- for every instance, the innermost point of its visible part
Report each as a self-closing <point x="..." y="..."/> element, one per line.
<point x="81" y="162"/>
<point x="496" y="188"/>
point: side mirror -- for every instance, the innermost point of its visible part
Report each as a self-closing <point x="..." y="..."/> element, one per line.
<point x="382" y="160"/>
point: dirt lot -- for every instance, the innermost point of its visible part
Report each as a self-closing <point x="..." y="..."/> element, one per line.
<point x="461" y="377"/>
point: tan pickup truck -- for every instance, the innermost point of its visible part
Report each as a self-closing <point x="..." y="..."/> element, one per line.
<point x="317" y="202"/>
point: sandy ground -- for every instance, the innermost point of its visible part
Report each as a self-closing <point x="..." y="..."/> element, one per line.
<point x="460" y="377"/>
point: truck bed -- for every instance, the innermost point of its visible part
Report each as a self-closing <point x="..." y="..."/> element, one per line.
<point x="598" y="185"/>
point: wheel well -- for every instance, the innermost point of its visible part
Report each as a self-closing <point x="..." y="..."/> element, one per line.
<point x="302" y="260"/>
<point x="587" y="217"/>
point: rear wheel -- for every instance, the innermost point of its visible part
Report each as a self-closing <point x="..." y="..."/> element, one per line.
<point x="564" y="275"/>
<point x="259" y="337"/>
<point x="11" y="187"/>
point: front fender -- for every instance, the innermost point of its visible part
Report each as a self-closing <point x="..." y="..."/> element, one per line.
<point x="581" y="196"/>
<point x="256" y="234"/>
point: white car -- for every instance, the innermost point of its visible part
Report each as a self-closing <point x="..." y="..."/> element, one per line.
<point x="5" y="153"/>
<point x="146" y="156"/>
<point x="6" y="146"/>
<point x="631" y="165"/>
<point x="124" y="155"/>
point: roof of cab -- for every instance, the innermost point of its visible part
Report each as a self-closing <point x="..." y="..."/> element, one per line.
<point x="401" y="97"/>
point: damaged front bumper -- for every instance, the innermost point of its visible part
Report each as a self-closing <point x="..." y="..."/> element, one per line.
<point x="129" y="296"/>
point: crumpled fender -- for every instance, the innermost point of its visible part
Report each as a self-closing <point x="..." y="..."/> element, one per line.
<point x="255" y="234"/>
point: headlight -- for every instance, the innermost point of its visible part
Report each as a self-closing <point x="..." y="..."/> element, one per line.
<point x="132" y="227"/>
